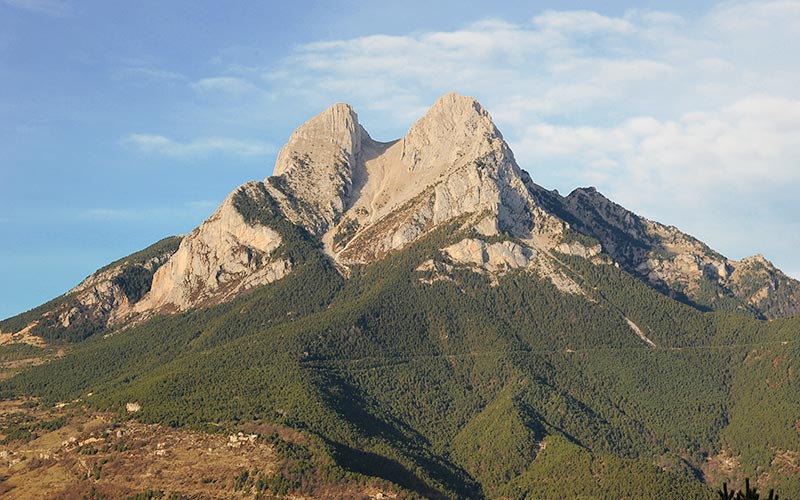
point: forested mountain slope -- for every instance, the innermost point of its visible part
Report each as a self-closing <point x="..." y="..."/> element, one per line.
<point x="439" y="321"/>
<point x="466" y="389"/>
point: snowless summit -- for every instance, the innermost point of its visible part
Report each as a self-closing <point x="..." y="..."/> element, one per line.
<point x="360" y="200"/>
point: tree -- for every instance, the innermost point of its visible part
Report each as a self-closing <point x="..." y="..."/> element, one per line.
<point x="748" y="494"/>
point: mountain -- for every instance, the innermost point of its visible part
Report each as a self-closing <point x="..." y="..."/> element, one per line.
<point x="679" y="264"/>
<point x="104" y="299"/>
<point x="440" y="321"/>
<point x="363" y="199"/>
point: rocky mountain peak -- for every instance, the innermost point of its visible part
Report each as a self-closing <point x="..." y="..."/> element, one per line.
<point x="361" y="200"/>
<point x="454" y="127"/>
<point x="334" y="132"/>
<point x="756" y="260"/>
<point x="452" y="164"/>
<point x="314" y="172"/>
<point x="455" y="111"/>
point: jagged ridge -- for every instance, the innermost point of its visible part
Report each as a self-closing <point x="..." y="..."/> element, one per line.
<point x="364" y="199"/>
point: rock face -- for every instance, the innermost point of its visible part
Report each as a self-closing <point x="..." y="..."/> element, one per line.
<point x="454" y="131"/>
<point x="493" y="257"/>
<point x="313" y="176"/>
<point x="114" y="291"/>
<point x="679" y="264"/>
<point x="362" y="199"/>
<point x="104" y="299"/>
<point x="501" y="257"/>
<point x="219" y="259"/>
<point x="452" y="163"/>
<point x="758" y="282"/>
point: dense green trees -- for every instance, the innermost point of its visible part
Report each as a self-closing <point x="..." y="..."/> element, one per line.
<point x="461" y="388"/>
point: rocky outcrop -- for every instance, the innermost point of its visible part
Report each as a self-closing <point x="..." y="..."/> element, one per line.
<point x="498" y="258"/>
<point x="758" y="282"/>
<point x="677" y="263"/>
<point x="363" y="199"/>
<point x="110" y="294"/>
<point x="493" y="257"/>
<point x="452" y="163"/>
<point x="104" y="299"/>
<point x="229" y="253"/>
<point x="314" y="172"/>
<point x="219" y="259"/>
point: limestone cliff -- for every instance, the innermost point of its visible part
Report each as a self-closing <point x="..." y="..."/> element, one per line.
<point x="363" y="199"/>
<point x="219" y="259"/>
<point x="314" y="172"/>
<point x="452" y="163"/>
<point x="766" y="288"/>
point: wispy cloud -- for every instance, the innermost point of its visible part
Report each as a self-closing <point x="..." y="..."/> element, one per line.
<point x="559" y="62"/>
<point x="150" y="73"/>
<point x="747" y="147"/>
<point x="198" y="148"/>
<point x="563" y="23"/>
<point x="559" y="65"/>
<point x="224" y="84"/>
<point x="55" y="8"/>
<point x="145" y="70"/>
<point x="195" y="209"/>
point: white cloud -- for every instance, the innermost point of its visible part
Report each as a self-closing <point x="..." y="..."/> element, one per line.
<point x="749" y="146"/>
<point x="145" y="70"/>
<point x="558" y="63"/>
<point x="224" y="84"/>
<point x="161" y="145"/>
<point x="770" y="17"/>
<point x="562" y="64"/>
<point x="190" y="209"/>
<point x="581" y="22"/>
<point x="55" y="8"/>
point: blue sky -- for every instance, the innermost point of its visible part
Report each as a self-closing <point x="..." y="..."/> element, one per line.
<point x="124" y="122"/>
